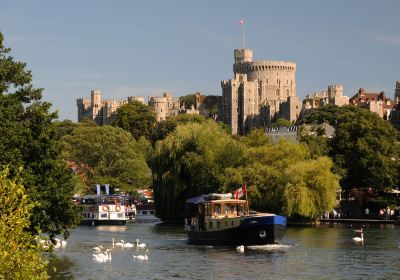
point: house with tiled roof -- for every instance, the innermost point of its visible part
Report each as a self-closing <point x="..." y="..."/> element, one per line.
<point x="376" y="102"/>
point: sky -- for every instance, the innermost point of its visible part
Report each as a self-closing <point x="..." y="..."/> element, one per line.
<point x="144" y="48"/>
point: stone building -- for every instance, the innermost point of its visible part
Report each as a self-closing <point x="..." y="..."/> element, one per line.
<point x="376" y="102"/>
<point x="334" y="95"/>
<point x="258" y="92"/>
<point x="99" y="110"/>
<point x="395" y="114"/>
<point x="165" y="106"/>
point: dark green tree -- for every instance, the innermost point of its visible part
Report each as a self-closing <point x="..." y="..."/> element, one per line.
<point x="28" y="141"/>
<point x="364" y="149"/>
<point x="188" y="100"/>
<point x="137" y="118"/>
<point x="108" y="155"/>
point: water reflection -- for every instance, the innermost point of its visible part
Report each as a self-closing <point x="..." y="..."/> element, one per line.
<point x="305" y="253"/>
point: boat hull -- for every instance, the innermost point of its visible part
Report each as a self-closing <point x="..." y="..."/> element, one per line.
<point x="252" y="231"/>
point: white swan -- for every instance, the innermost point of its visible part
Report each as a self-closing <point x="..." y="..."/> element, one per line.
<point x="118" y="244"/>
<point x="140" y="245"/>
<point x="102" y="257"/>
<point x="60" y="243"/>
<point x="128" y="245"/>
<point x="359" y="239"/>
<point x="98" y="248"/>
<point x="240" y="248"/>
<point x="142" y="257"/>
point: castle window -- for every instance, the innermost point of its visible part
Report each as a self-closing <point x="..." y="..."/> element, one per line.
<point x="267" y="81"/>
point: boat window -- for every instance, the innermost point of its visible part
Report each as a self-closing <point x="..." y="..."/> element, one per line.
<point x="210" y="225"/>
<point x="218" y="225"/>
<point x="103" y="215"/>
<point x="152" y="212"/>
<point x="208" y="209"/>
<point x="144" y="212"/>
<point x="217" y="209"/>
<point x="230" y="209"/>
<point x="241" y="209"/>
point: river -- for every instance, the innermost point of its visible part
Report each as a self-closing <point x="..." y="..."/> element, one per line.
<point x="322" y="252"/>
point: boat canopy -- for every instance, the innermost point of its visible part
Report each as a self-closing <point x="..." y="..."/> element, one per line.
<point x="213" y="196"/>
<point x="196" y="200"/>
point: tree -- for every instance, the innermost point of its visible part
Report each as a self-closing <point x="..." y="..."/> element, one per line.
<point x="274" y="174"/>
<point x="190" y="161"/>
<point x="20" y="254"/>
<point x="364" y="149"/>
<point x="188" y="100"/>
<point x="28" y="140"/>
<point x="169" y="125"/>
<point x="137" y="118"/>
<point x="107" y="155"/>
<point x="282" y="123"/>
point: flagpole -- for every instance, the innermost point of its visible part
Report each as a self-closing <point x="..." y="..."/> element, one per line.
<point x="243" y="35"/>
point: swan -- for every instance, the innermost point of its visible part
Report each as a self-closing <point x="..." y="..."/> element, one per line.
<point x="142" y="257"/>
<point x="128" y="245"/>
<point x="60" y="243"/>
<point x="118" y="244"/>
<point x="102" y="257"/>
<point x="240" y="248"/>
<point x="140" y="245"/>
<point x="359" y="239"/>
<point x="98" y="248"/>
<point x="359" y="230"/>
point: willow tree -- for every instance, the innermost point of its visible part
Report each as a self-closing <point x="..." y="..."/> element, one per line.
<point x="191" y="161"/>
<point x="276" y="173"/>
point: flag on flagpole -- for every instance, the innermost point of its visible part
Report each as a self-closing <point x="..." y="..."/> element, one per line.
<point x="241" y="22"/>
<point x="242" y="191"/>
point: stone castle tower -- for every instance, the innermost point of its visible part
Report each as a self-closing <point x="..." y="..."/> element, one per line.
<point x="257" y="92"/>
<point x="99" y="110"/>
<point x="397" y="93"/>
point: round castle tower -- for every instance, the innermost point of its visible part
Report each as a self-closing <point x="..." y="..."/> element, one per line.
<point x="277" y="79"/>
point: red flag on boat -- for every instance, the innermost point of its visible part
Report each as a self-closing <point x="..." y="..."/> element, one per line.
<point x="242" y="191"/>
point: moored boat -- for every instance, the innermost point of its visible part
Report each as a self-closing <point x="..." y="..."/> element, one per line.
<point x="218" y="219"/>
<point x="102" y="210"/>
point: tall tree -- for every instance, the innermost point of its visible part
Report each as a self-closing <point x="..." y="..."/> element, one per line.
<point x="169" y="125"/>
<point x="364" y="149"/>
<point x="190" y="161"/>
<point x="28" y="141"/>
<point x="107" y="155"/>
<point x="137" y="118"/>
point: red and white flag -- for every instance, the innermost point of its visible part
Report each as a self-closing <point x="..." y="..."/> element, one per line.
<point x="241" y="22"/>
<point x="242" y="191"/>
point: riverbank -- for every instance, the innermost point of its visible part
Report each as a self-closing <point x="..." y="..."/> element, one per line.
<point x="359" y="221"/>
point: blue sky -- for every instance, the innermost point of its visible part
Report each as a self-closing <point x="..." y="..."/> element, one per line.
<point x="143" y="48"/>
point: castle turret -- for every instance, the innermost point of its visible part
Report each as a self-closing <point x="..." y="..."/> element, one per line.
<point x="397" y="93"/>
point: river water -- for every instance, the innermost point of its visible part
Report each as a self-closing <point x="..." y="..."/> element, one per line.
<point x="323" y="252"/>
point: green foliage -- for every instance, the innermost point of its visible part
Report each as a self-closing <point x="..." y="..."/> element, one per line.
<point x="190" y="161"/>
<point x="188" y="100"/>
<point x="316" y="141"/>
<point x="137" y="118"/>
<point x="310" y="188"/>
<point x="20" y="254"/>
<point x="108" y="155"/>
<point x="273" y="174"/>
<point x="169" y="125"/>
<point x="364" y="149"/>
<point x="28" y="140"/>
<point x="282" y="123"/>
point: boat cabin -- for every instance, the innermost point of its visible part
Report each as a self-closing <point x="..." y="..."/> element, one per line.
<point x="214" y="212"/>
